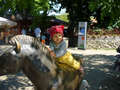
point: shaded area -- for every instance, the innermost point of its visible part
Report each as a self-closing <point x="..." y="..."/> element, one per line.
<point x="15" y="82"/>
<point x="111" y="82"/>
<point x="98" y="69"/>
<point x="99" y="72"/>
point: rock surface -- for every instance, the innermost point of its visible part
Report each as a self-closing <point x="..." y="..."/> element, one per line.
<point x="110" y="42"/>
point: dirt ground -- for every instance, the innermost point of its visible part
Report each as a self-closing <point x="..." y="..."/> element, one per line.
<point x="98" y="66"/>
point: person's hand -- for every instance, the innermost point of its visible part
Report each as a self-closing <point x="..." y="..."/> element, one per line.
<point x="81" y="69"/>
<point x="48" y="48"/>
<point x="52" y="54"/>
<point x="81" y="72"/>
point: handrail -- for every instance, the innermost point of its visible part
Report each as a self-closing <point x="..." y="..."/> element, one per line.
<point x="6" y="49"/>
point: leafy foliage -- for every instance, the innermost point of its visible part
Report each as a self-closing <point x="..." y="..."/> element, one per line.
<point x="106" y="11"/>
<point x="78" y="11"/>
<point x="24" y="6"/>
<point x="63" y="17"/>
<point x="33" y="8"/>
<point x="101" y="32"/>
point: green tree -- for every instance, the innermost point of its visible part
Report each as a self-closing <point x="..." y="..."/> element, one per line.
<point x="25" y="8"/>
<point x="63" y="17"/>
<point x="106" y="11"/>
<point x="77" y="11"/>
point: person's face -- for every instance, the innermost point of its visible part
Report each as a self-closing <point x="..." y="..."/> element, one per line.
<point x="57" y="38"/>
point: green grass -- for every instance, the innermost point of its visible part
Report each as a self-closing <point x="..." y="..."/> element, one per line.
<point x="63" y="17"/>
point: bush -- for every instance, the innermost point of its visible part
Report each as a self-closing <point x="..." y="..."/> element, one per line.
<point x="103" y="31"/>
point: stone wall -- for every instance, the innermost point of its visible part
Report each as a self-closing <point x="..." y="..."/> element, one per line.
<point x="103" y="42"/>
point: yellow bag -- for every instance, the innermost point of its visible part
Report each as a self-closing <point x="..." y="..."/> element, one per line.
<point x="67" y="62"/>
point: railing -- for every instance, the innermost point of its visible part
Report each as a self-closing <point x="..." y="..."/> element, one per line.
<point x="6" y="49"/>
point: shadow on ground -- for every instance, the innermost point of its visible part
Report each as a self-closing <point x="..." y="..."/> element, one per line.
<point x="98" y="72"/>
<point x="15" y="82"/>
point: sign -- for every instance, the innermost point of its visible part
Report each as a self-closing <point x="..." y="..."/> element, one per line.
<point x="82" y="28"/>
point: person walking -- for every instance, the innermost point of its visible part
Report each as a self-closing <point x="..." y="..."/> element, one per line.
<point x="23" y="32"/>
<point x="37" y="33"/>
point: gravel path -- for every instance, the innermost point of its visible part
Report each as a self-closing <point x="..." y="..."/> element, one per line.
<point x="97" y="63"/>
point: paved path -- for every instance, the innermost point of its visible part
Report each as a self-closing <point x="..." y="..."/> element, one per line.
<point x="92" y="52"/>
<point x="98" y="66"/>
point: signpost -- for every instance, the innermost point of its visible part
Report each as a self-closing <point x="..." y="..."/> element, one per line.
<point x="82" y="28"/>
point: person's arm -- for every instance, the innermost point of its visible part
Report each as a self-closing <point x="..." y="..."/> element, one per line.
<point x="51" y="52"/>
<point x="50" y="49"/>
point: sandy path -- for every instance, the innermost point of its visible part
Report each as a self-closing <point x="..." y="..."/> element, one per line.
<point x="92" y="52"/>
<point x="98" y="66"/>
